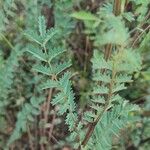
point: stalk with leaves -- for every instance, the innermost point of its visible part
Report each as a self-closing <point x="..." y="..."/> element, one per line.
<point x="47" y="55"/>
<point x="111" y="70"/>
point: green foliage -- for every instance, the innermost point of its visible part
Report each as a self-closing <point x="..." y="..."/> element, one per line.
<point x="110" y="73"/>
<point x="82" y="15"/>
<point x="110" y="125"/>
<point x="111" y="29"/>
<point x="117" y="73"/>
<point x="142" y="9"/>
<point x="40" y="100"/>
<point x="7" y="8"/>
<point x="24" y="117"/>
<point x="62" y="17"/>
<point x="110" y="78"/>
<point x="6" y="77"/>
<point x="64" y="98"/>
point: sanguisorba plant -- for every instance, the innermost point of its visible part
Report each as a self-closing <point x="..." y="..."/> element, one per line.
<point x="49" y="64"/>
<point x="108" y="112"/>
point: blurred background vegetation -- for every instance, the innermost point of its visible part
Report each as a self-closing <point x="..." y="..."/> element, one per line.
<point x="18" y="80"/>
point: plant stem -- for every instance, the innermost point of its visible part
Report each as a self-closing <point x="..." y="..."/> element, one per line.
<point x="30" y="138"/>
<point x="7" y="41"/>
<point x="140" y="35"/>
<point x="52" y="127"/>
<point x="117" y="7"/>
<point x="108" y="50"/>
<point x="86" y="53"/>
<point x="48" y="105"/>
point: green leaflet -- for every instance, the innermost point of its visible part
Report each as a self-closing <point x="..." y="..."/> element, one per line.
<point x="89" y="116"/>
<point x="53" y="53"/>
<point x="42" y="26"/>
<point x="50" y="84"/>
<point x="36" y="52"/>
<point x="128" y="61"/>
<point x="60" y="67"/>
<point x="64" y="80"/>
<point x="83" y="15"/>
<point x="71" y="120"/>
<point x="58" y="98"/>
<point x="101" y="77"/>
<point x="133" y="58"/>
<point x="33" y="36"/>
<point x="53" y="70"/>
<point x="123" y="78"/>
<point x="99" y="62"/>
<point x="95" y="107"/>
<point x="129" y="16"/>
<point x="43" y="69"/>
<point x="116" y="98"/>
<point x="98" y="99"/>
<point x="100" y="90"/>
<point x="49" y="35"/>
<point x="118" y="87"/>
